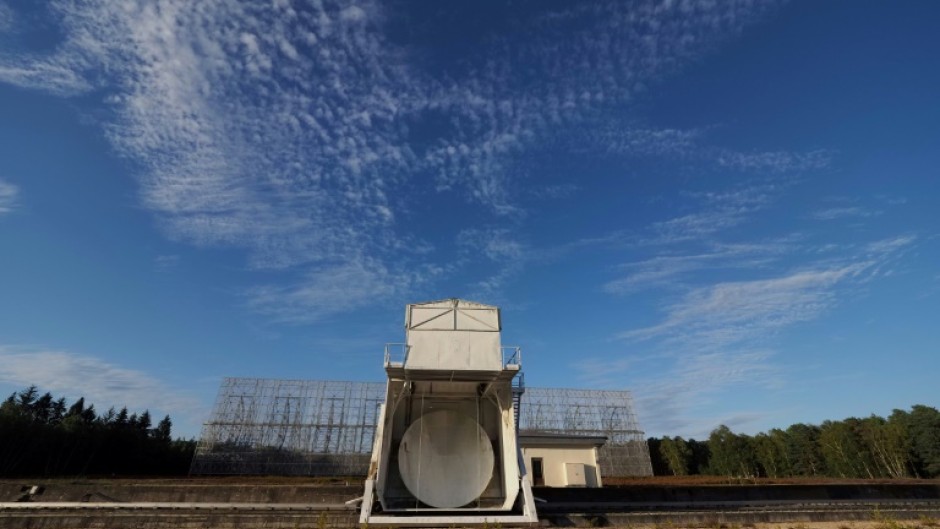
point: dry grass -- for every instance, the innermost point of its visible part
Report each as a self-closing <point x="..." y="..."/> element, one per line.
<point x="723" y="480"/>
<point x="878" y="522"/>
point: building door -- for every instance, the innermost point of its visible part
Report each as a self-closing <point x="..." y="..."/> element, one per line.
<point x="538" y="475"/>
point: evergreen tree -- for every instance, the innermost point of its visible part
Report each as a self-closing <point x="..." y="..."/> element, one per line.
<point x="26" y="397"/>
<point x="923" y="426"/>
<point x="43" y="436"/>
<point x="143" y="422"/>
<point x="88" y="415"/>
<point x="77" y="408"/>
<point x="803" y="450"/>
<point x="162" y="431"/>
<point x="121" y="421"/>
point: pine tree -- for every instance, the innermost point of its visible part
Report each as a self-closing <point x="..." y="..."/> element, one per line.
<point x="162" y="431"/>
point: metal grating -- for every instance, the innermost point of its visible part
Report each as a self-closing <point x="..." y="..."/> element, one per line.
<point x="326" y="428"/>
<point x="591" y="412"/>
<point x="290" y="427"/>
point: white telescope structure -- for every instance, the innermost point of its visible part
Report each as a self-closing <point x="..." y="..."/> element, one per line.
<point x="445" y="449"/>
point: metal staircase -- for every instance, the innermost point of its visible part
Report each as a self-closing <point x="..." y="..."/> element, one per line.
<point x="518" y="388"/>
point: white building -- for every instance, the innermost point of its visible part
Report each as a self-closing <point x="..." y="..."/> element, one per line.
<point x="558" y="460"/>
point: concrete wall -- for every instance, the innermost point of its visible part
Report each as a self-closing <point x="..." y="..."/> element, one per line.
<point x="249" y="490"/>
<point x="554" y="460"/>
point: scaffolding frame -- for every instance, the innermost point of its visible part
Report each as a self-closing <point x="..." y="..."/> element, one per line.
<point x="326" y="428"/>
<point x="290" y="427"/>
<point x="589" y="412"/>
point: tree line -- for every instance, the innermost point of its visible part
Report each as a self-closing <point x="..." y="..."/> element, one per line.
<point x="41" y="435"/>
<point x="905" y="444"/>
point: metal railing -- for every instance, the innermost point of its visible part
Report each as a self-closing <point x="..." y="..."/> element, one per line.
<point x="396" y="353"/>
<point x="512" y="356"/>
<point x="518" y="383"/>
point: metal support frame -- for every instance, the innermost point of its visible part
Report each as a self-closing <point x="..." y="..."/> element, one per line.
<point x="587" y="412"/>
<point x="327" y="428"/>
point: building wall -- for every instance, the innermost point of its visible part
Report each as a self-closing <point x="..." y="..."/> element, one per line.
<point x="554" y="460"/>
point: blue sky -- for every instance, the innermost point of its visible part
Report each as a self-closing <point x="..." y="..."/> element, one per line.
<point x="729" y="208"/>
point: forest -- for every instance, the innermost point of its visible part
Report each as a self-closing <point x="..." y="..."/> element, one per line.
<point x="906" y="444"/>
<point x="41" y="435"/>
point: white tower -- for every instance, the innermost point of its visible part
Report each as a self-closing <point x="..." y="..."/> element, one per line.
<point x="445" y="448"/>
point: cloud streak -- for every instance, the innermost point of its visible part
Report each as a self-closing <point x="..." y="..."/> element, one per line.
<point x="720" y="336"/>
<point x="719" y="211"/>
<point x="670" y="270"/>
<point x="283" y="129"/>
<point x="99" y="381"/>
<point x="8" y="194"/>
<point x="717" y="315"/>
<point x="843" y="212"/>
<point x="637" y="140"/>
<point x="714" y="316"/>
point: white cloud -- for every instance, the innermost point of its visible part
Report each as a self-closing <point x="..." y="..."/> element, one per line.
<point x="639" y="140"/>
<point x="714" y="316"/>
<point x="554" y="191"/>
<point x="669" y="270"/>
<point x="776" y="162"/>
<point x="6" y="18"/>
<point x="8" y="193"/>
<point x="283" y="130"/>
<point x="724" y="313"/>
<point x="843" y="212"/>
<point x="889" y="246"/>
<point x="166" y="262"/>
<point x="719" y="211"/>
<point x="328" y="290"/>
<point x="677" y="402"/>
<point x="648" y="141"/>
<point x="498" y="246"/>
<point x="720" y="336"/>
<point x="100" y="382"/>
<point x="51" y="76"/>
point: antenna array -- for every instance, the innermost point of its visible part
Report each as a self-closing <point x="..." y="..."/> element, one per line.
<point x="326" y="428"/>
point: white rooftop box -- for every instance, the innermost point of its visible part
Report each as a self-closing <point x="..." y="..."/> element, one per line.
<point x="453" y="335"/>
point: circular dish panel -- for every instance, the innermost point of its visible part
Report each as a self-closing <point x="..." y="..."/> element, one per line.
<point x="445" y="459"/>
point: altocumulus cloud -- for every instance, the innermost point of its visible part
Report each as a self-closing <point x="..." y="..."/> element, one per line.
<point x="284" y="129"/>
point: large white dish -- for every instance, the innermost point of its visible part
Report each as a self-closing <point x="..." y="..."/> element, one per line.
<point x="445" y="459"/>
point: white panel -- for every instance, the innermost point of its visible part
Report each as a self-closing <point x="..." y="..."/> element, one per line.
<point x="424" y="349"/>
<point x="445" y="459"/>
<point x="427" y="319"/>
<point x="478" y="320"/>
<point x="454" y="350"/>
<point x="574" y="474"/>
<point x="484" y="351"/>
<point x="472" y="316"/>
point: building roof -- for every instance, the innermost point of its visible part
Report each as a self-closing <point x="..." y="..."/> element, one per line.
<point x="552" y="439"/>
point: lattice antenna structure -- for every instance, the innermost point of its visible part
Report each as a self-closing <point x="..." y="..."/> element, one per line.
<point x="290" y="427"/>
<point x="326" y="428"/>
<point x="586" y="412"/>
